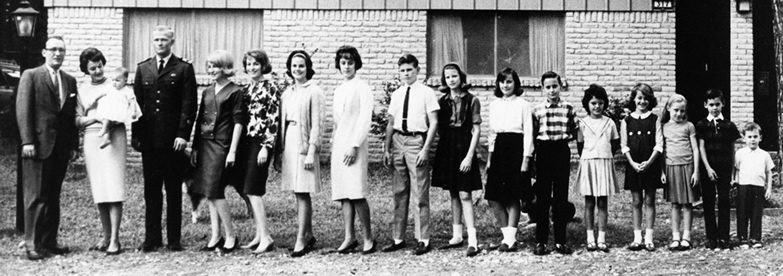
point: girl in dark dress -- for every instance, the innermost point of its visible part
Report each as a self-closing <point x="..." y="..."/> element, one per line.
<point x="218" y="128"/>
<point x="262" y="100"/>
<point x="641" y="139"/>
<point x="455" y="168"/>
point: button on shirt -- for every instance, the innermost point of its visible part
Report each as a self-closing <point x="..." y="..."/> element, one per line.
<point x="511" y="115"/>
<point x="624" y="133"/>
<point x="422" y="101"/>
<point x="719" y="136"/>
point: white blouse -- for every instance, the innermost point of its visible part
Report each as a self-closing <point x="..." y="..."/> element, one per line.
<point x="511" y="115"/>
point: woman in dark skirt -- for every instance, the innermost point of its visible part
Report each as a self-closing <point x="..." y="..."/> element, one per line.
<point x="218" y="128"/>
<point x="262" y="101"/>
<point x="455" y="168"/>
<point x="510" y="150"/>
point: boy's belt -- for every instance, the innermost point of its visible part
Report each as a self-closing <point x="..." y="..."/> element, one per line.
<point x="409" y="133"/>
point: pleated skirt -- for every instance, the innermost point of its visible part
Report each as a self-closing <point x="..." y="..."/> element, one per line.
<point x="596" y="177"/>
<point x="678" y="187"/>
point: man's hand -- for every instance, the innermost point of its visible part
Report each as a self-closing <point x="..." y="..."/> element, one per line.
<point x="422" y="158"/>
<point x="28" y="151"/>
<point x="180" y="144"/>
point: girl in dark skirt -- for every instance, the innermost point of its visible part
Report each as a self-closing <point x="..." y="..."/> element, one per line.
<point x="218" y="127"/>
<point x="641" y="140"/>
<point x="510" y="150"/>
<point x="262" y="101"/>
<point x="455" y="168"/>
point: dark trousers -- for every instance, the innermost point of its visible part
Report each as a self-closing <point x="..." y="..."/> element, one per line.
<point x="553" y="165"/>
<point x="750" y="207"/>
<point x="719" y="230"/>
<point x="43" y="180"/>
<point x="163" y="168"/>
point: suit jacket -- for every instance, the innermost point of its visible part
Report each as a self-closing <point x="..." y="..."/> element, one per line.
<point x="40" y="118"/>
<point x="168" y="101"/>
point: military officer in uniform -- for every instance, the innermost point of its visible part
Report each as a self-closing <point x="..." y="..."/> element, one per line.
<point x="165" y="88"/>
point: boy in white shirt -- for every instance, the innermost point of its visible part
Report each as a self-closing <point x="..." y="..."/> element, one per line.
<point x="753" y="172"/>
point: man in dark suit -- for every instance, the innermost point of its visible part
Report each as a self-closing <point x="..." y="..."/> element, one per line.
<point x="165" y="88"/>
<point x="45" y="113"/>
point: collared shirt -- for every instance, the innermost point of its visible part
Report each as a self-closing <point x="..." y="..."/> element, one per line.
<point x="712" y="118"/>
<point x="555" y="121"/>
<point x="165" y="61"/>
<point x="624" y="133"/>
<point x="263" y="108"/>
<point x="511" y="115"/>
<point x="458" y="110"/>
<point x="597" y="135"/>
<point x="422" y="101"/>
<point x="55" y="75"/>
<point x="719" y="137"/>
<point x="753" y="166"/>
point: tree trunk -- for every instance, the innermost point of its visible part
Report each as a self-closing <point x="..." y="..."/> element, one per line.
<point x="777" y="7"/>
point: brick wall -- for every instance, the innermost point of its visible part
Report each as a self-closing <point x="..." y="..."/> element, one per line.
<point x="380" y="36"/>
<point x="741" y="66"/>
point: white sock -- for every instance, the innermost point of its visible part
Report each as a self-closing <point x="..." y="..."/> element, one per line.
<point x="637" y="236"/>
<point x="456" y="234"/>
<point x="601" y="237"/>
<point x="396" y="241"/>
<point x="472" y="241"/>
<point x="686" y="235"/>
<point x="509" y="235"/>
<point x="426" y="242"/>
<point x="676" y="236"/>
<point x="648" y="236"/>
<point x="590" y="236"/>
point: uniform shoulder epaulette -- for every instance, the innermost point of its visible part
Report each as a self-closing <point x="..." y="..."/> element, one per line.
<point x="143" y="61"/>
<point x="185" y="60"/>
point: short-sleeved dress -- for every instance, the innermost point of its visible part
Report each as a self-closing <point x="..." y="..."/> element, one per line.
<point x="679" y="162"/>
<point x="352" y="107"/>
<point x="214" y="129"/>
<point x="105" y="167"/>
<point x="456" y="118"/>
<point x="302" y="107"/>
<point x="596" y="174"/>
<point x="263" y="108"/>
<point x="640" y="133"/>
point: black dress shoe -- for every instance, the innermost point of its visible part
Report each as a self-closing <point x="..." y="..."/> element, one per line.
<point x="174" y="247"/>
<point x="394" y="247"/>
<point x="505" y="248"/>
<point x="225" y="250"/>
<point x="563" y="249"/>
<point x="57" y="250"/>
<point x="472" y="251"/>
<point x="351" y="246"/>
<point x="540" y="250"/>
<point x="421" y="249"/>
<point x="149" y="247"/>
<point x="724" y="244"/>
<point x="372" y="249"/>
<point x="452" y="245"/>
<point x="217" y="245"/>
<point x="34" y="255"/>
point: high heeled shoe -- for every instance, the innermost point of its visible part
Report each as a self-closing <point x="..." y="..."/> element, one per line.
<point x="351" y="246"/>
<point x="225" y="250"/>
<point x="310" y="243"/>
<point x="372" y="249"/>
<point x="116" y="252"/>
<point x="218" y="244"/>
<point x="252" y="246"/>
<point x="269" y="248"/>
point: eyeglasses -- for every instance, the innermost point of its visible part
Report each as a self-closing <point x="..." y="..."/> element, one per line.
<point x="56" y="49"/>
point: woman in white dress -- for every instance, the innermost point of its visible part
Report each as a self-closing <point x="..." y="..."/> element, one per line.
<point x="302" y="116"/>
<point x="353" y="104"/>
<point x="105" y="167"/>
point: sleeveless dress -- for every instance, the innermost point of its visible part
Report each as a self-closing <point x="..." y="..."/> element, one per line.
<point x="454" y="143"/>
<point x="641" y="141"/>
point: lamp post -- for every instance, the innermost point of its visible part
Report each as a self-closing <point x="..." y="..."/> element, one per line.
<point x="24" y="17"/>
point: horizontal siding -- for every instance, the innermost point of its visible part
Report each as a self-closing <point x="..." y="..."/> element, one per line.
<point x="527" y="5"/>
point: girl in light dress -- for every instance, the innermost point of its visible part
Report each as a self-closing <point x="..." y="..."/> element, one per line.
<point x="596" y="142"/>
<point x="680" y="173"/>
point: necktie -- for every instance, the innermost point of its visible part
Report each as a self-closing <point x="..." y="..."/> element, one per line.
<point x="405" y="110"/>
<point x="160" y="67"/>
<point x="57" y="87"/>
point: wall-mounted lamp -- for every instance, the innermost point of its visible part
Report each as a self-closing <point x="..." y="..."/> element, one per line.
<point x="744" y="6"/>
<point x="24" y="17"/>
